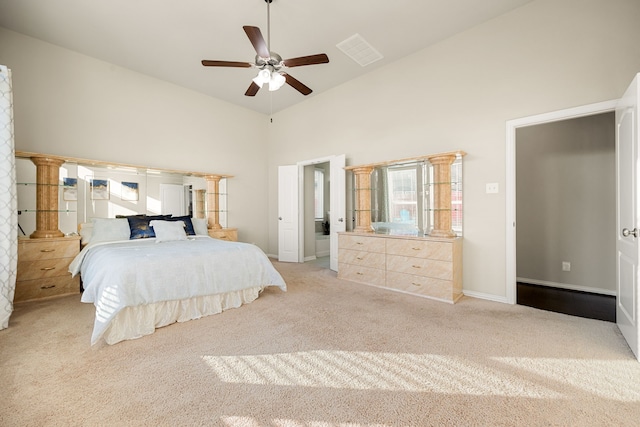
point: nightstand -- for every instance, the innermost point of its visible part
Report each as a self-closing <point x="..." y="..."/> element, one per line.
<point x="230" y="234"/>
<point x="43" y="268"/>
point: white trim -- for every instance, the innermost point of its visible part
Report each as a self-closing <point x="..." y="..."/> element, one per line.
<point x="600" y="291"/>
<point x="511" y="126"/>
<point x="310" y="258"/>
<point x="488" y="297"/>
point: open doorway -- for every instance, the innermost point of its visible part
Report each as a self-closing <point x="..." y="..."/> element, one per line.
<point x="565" y="213"/>
<point x="317" y="211"/>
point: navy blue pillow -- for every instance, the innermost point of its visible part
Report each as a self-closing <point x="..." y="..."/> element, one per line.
<point x="188" y="225"/>
<point x="140" y="228"/>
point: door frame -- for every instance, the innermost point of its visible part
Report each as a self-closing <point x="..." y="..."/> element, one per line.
<point x="301" y="165"/>
<point x="510" y="187"/>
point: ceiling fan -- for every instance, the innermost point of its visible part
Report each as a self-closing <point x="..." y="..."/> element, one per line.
<point x="271" y="66"/>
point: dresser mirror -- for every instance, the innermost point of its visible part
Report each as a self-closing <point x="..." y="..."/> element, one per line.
<point x="408" y="197"/>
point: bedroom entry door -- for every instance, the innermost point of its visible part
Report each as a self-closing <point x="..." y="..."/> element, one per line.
<point x="627" y="221"/>
<point x="288" y="213"/>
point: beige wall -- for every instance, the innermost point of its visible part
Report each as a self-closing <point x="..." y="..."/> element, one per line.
<point x="566" y="203"/>
<point x="70" y="104"/>
<point x="458" y="94"/>
<point x="546" y="56"/>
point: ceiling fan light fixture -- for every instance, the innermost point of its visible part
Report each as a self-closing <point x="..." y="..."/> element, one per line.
<point x="264" y="76"/>
<point x="276" y="82"/>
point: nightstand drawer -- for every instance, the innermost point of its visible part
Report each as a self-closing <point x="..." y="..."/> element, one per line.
<point x="230" y="234"/>
<point x="38" y="249"/>
<point x="47" y="287"/>
<point x="30" y="270"/>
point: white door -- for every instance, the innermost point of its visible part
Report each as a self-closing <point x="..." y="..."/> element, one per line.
<point x="627" y="216"/>
<point x="172" y="199"/>
<point x="337" y="195"/>
<point x="288" y="213"/>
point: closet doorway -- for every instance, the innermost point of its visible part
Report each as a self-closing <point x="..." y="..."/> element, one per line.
<point x="566" y="216"/>
<point x="552" y="259"/>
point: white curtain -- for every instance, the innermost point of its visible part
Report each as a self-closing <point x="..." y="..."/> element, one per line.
<point x="8" y="201"/>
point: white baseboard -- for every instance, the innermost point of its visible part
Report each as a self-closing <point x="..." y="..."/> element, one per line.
<point x="309" y="258"/>
<point x="489" y="297"/>
<point x="320" y="254"/>
<point x="567" y="286"/>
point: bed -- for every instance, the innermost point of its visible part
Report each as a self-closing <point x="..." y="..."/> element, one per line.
<point x="138" y="284"/>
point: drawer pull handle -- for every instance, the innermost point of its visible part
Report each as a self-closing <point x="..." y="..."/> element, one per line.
<point x="416" y="284"/>
<point x="47" y="287"/>
<point x="48" y="268"/>
<point x="415" y="266"/>
<point x="47" y="250"/>
<point x="416" y="249"/>
<point x="359" y="243"/>
<point x="359" y="274"/>
<point x="359" y="258"/>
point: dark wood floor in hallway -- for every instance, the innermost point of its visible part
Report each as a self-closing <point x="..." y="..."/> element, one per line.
<point x="575" y="303"/>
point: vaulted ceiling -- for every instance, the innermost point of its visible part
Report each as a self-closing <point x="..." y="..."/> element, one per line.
<point x="167" y="39"/>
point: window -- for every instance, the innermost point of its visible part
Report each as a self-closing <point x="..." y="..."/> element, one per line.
<point x="319" y="194"/>
<point x="403" y="201"/>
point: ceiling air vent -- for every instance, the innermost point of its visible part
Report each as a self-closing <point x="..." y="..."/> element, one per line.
<point x="357" y="48"/>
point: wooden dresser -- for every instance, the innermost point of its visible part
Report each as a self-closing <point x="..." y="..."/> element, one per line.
<point x="423" y="266"/>
<point x="230" y="234"/>
<point x="43" y="268"/>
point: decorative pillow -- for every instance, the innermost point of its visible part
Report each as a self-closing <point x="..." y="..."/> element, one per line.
<point x="166" y="231"/>
<point x="140" y="228"/>
<point x="109" y="229"/>
<point x="188" y="225"/>
<point x="200" y="226"/>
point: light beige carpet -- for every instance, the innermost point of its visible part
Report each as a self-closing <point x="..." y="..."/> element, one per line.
<point x="327" y="353"/>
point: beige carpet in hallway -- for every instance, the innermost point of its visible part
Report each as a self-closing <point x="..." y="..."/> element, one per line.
<point x="327" y="353"/>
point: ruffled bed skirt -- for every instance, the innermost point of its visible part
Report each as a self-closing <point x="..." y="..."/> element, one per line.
<point x="135" y="322"/>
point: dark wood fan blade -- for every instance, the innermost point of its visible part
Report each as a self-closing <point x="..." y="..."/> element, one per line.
<point x="321" y="58"/>
<point x="253" y="89"/>
<point x="255" y="36"/>
<point x="209" y="63"/>
<point x="297" y="85"/>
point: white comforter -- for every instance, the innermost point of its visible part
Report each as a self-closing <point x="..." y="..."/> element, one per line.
<point x="130" y="273"/>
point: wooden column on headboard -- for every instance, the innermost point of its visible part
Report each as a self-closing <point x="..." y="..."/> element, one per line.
<point x="442" y="194"/>
<point x="363" y="197"/>
<point x="213" y="201"/>
<point x="47" y="182"/>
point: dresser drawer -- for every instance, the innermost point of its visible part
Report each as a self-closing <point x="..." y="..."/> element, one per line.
<point x="361" y="243"/>
<point x="420" y="267"/>
<point x="421" y="285"/>
<point x="38" y="249"/>
<point x="47" y="287"/>
<point x="29" y="270"/>
<point x="437" y="250"/>
<point x="357" y="273"/>
<point x="366" y="259"/>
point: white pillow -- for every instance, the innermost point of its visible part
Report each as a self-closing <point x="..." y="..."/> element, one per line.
<point x="168" y="230"/>
<point x="85" y="232"/>
<point x="200" y="226"/>
<point x="110" y="229"/>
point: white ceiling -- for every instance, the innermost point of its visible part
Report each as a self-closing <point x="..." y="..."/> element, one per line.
<point x="167" y="39"/>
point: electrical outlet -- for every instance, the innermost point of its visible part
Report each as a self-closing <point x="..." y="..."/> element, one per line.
<point x="492" y="188"/>
<point x="566" y="266"/>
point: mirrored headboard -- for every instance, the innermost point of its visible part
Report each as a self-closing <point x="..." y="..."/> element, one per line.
<point x="56" y="194"/>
